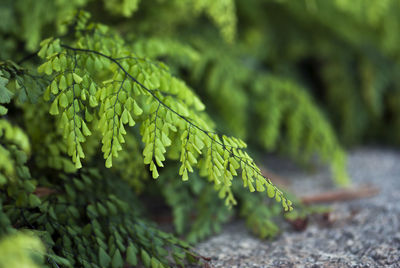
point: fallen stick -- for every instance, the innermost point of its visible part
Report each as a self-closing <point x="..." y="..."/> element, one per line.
<point x="341" y="195"/>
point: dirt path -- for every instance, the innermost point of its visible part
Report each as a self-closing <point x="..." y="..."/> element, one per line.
<point x="363" y="233"/>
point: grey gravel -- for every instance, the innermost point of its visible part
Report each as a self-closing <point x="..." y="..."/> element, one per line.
<point x="364" y="232"/>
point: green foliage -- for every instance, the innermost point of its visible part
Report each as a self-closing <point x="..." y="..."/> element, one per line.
<point x="21" y="251"/>
<point x="344" y="52"/>
<point x="14" y="147"/>
<point x="13" y="83"/>
<point x="260" y="218"/>
<point x="170" y="114"/>
<point x="102" y="109"/>
<point x="286" y="117"/>
<point x="123" y="7"/>
<point x="195" y="201"/>
<point x="222" y="13"/>
<point x="94" y="87"/>
<point x="307" y="131"/>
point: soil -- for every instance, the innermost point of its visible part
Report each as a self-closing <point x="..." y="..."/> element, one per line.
<point x="357" y="233"/>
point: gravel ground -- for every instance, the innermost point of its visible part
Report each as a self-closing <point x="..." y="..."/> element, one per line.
<point x="364" y="232"/>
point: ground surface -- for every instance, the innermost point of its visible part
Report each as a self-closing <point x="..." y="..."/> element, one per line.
<point x="363" y="233"/>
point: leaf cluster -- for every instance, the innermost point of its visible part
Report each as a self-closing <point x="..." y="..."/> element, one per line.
<point x="100" y="96"/>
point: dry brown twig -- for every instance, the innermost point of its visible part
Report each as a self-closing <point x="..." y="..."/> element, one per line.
<point x="358" y="192"/>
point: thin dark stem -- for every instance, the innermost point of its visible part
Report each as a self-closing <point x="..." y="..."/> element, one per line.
<point x="155" y="131"/>
<point x="115" y="104"/>
<point x="73" y="105"/>
<point x="28" y="57"/>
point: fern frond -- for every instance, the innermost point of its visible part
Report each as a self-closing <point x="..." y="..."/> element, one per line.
<point x="307" y="131"/>
<point x="93" y="90"/>
<point x="286" y="117"/>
